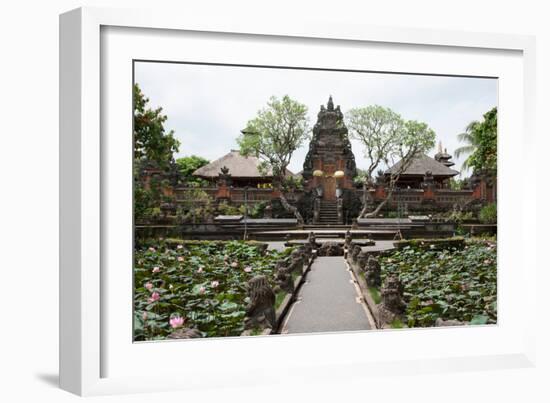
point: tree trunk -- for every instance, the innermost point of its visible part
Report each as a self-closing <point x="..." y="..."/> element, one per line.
<point x="291" y="208"/>
<point x="381" y="205"/>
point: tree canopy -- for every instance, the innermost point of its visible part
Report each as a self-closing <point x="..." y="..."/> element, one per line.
<point x="379" y="129"/>
<point x="275" y="133"/>
<point x="481" y="144"/>
<point x="188" y="165"/>
<point x="152" y="145"/>
<point x="151" y="141"/>
<point x="387" y="139"/>
<point x="273" y="136"/>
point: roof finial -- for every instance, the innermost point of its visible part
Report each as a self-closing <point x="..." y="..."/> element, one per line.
<point x="330" y="105"/>
<point x="440" y="147"/>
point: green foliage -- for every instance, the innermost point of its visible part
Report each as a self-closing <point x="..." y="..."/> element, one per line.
<point x="153" y="147"/>
<point x="257" y="210"/>
<point x="450" y="283"/>
<point x="293" y="184"/>
<point x="488" y="214"/>
<point x="379" y="129"/>
<point x="457" y="184"/>
<point x="203" y="282"/>
<point x="460" y="216"/>
<point x="481" y="144"/>
<point x="387" y="137"/>
<point x="147" y="201"/>
<point x="151" y="142"/>
<point x="188" y="165"/>
<point x="196" y="206"/>
<point x="275" y="133"/>
<point x="228" y="209"/>
<point x="361" y="177"/>
<point x="397" y="324"/>
<point x="375" y="294"/>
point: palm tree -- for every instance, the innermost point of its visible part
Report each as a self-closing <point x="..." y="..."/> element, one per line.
<point x="470" y="140"/>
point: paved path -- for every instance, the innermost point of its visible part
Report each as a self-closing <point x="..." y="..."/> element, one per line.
<point x="380" y="246"/>
<point x="328" y="301"/>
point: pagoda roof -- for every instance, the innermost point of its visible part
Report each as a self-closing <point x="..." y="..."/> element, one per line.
<point x="239" y="167"/>
<point x="419" y="165"/>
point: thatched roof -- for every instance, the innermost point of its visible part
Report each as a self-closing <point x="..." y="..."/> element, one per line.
<point x="420" y="165"/>
<point x="239" y="167"/>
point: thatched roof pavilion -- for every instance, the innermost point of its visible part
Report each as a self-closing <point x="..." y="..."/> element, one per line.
<point x="244" y="171"/>
<point x="415" y="172"/>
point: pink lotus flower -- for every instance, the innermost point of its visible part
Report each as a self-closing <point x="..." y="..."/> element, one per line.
<point x="181" y="258"/>
<point x="248" y="269"/>
<point x="176" y="321"/>
<point x="200" y="269"/>
<point x="235" y="264"/>
<point x="486" y="261"/>
<point x="151" y="249"/>
<point x="154" y="297"/>
<point x="179" y="246"/>
<point x="226" y="257"/>
<point x="156" y="269"/>
<point x="149" y="286"/>
<point x="202" y="290"/>
<point x="215" y="283"/>
<point x="144" y="316"/>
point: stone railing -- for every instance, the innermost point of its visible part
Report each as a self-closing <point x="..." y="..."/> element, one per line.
<point x="182" y="193"/>
<point x="235" y="194"/>
<point x="252" y="195"/>
<point x="419" y="197"/>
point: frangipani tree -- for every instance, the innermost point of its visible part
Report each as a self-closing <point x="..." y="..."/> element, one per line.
<point x="387" y="139"/>
<point x="273" y="136"/>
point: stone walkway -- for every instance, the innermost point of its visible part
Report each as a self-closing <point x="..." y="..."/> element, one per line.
<point x="328" y="301"/>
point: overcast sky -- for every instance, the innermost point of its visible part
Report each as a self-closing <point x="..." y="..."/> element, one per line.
<point x="207" y="106"/>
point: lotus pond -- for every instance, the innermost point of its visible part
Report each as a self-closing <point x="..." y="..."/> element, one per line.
<point x="451" y="283"/>
<point x="196" y="284"/>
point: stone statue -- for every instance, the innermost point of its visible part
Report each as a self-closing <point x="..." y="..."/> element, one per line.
<point x="311" y="240"/>
<point x="185" y="333"/>
<point x="372" y="272"/>
<point x="428" y="180"/>
<point x="283" y="277"/>
<point x="261" y="309"/>
<point x="331" y="249"/>
<point x="296" y="261"/>
<point x="392" y="305"/>
<point x="347" y="240"/>
<point x="356" y="250"/>
<point x="307" y="253"/>
<point x="362" y="258"/>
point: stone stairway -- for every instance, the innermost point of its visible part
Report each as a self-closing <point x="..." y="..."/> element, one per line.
<point x="328" y="214"/>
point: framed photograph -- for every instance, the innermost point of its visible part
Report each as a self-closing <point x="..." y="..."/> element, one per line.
<point x="245" y="201"/>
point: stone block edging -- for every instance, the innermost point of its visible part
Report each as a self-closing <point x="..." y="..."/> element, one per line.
<point x="288" y="300"/>
<point x="363" y="286"/>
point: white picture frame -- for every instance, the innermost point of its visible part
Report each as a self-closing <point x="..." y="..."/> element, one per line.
<point x="86" y="187"/>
